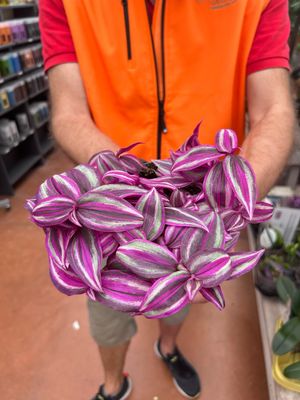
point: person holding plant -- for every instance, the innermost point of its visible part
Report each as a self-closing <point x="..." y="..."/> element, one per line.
<point x="148" y="71"/>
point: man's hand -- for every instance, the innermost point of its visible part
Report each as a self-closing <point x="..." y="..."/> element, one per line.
<point x="72" y="124"/>
<point x="272" y="125"/>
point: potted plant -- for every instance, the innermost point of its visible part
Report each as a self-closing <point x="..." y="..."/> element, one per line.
<point x="279" y="260"/>
<point x="286" y="342"/>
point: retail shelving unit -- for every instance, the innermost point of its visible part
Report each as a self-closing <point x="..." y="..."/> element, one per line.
<point x="32" y="147"/>
<point x="269" y="310"/>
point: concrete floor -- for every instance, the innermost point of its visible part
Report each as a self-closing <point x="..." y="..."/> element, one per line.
<point x="44" y="358"/>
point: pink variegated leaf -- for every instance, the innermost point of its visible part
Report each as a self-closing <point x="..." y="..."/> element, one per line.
<point x="195" y="158"/>
<point x="131" y="163"/>
<point x="231" y="241"/>
<point x="184" y="217"/>
<point x="117" y="176"/>
<point x="122" y="291"/>
<point x="173" y="235"/>
<point x="163" y="182"/>
<point x="196" y="239"/>
<point x="73" y="218"/>
<point x="178" y="301"/>
<point x="214" y="295"/>
<point x="211" y="267"/>
<point x="129" y="236"/>
<point x="191" y="142"/>
<point x="67" y="224"/>
<point x="146" y="259"/>
<point x="66" y="186"/>
<point x="244" y="262"/>
<point x="163" y="166"/>
<point x="85" y="176"/>
<point x="127" y="148"/>
<point x="113" y="263"/>
<point x="85" y="258"/>
<point x="177" y="254"/>
<point x="161" y="241"/>
<point x="233" y="221"/>
<point x="192" y="287"/>
<point x="124" y="282"/>
<point x="52" y="211"/>
<point x="204" y="208"/>
<point x="196" y="175"/>
<point x="65" y="281"/>
<point x="198" y="198"/>
<point x="215" y="237"/>
<point x="107" y="243"/>
<point x="46" y="190"/>
<point x="227" y="236"/>
<point x="105" y="161"/>
<point x="152" y="208"/>
<point x="94" y="159"/>
<point x="226" y="141"/>
<point x="57" y="241"/>
<point x="178" y="198"/>
<point x="118" y="301"/>
<point x="30" y="204"/>
<point x="241" y="178"/>
<point x="217" y="191"/>
<point x="191" y="243"/>
<point x="91" y="294"/>
<point x="263" y="211"/>
<point x="163" y="290"/>
<point x="120" y="190"/>
<point x="107" y="213"/>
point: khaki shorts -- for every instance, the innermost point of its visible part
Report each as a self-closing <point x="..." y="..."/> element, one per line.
<point x="110" y="328"/>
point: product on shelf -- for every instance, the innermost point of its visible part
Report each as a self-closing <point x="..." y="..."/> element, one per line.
<point x="17" y="91"/>
<point x="30" y="57"/>
<point x="10" y="65"/>
<point x="9" y="134"/>
<point x="15" y="2"/>
<point x="11" y="95"/>
<point x="18" y="31"/>
<point x="22" y="82"/>
<point x="36" y="82"/>
<point x="32" y="27"/>
<point x="23" y="123"/>
<point x="20" y="61"/>
<point x="4" y="102"/>
<point x="39" y="112"/>
<point x="5" y="34"/>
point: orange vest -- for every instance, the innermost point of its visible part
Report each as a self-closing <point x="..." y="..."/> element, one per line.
<point x="155" y="85"/>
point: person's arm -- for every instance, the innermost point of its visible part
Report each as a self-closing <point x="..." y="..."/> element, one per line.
<point x="272" y="125"/>
<point x="71" y="121"/>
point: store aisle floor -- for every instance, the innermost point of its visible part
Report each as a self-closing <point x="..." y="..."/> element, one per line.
<point x="44" y="358"/>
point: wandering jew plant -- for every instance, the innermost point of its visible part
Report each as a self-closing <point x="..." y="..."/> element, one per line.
<point x="146" y="237"/>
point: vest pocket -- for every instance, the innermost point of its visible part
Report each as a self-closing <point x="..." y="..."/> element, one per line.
<point x="127" y="28"/>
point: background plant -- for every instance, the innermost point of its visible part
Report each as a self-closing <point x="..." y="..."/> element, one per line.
<point x="287" y="339"/>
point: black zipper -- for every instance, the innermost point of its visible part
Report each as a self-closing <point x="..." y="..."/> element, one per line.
<point x="127" y="28"/>
<point x="162" y="128"/>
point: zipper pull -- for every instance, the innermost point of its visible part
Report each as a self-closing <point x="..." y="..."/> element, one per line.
<point x="163" y="125"/>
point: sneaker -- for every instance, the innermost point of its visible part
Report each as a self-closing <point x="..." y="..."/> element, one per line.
<point x="122" y="395"/>
<point x="184" y="374"/>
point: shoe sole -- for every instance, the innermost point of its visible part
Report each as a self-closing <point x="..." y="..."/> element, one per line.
<point x="157" y="353"/>
<point x="128" y="391"/>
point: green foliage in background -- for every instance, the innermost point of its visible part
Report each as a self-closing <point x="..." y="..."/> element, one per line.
<point x="287" y="339"/>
